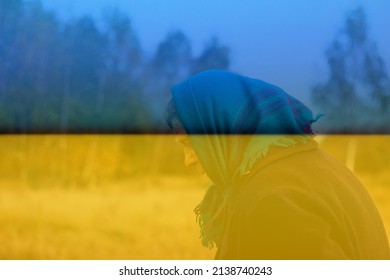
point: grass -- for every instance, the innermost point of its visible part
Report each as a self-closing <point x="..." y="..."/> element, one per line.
<point x="102" y="197"/>
<point x="115" y="223"/>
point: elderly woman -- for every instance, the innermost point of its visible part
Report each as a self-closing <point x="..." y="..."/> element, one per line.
<point x="276" y="194"/>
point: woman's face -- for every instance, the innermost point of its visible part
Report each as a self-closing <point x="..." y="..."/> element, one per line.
<point x="190" y="158"/>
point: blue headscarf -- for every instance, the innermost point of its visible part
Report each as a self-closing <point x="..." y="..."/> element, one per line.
<point x="232" y="120"/>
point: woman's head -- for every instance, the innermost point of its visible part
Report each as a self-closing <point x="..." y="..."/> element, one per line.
<point x="223" y="111"/>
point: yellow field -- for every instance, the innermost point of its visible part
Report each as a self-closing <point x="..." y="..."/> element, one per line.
<point x="127" y="197"/>
<point x="101" y="224"/>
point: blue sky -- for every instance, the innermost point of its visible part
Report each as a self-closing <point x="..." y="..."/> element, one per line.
<point x="279" y="41"/>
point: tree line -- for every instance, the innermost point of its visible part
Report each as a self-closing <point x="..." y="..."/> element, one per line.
<point x="93" y="76"/>
<point x="356" y="96"/>
<point x="88" y="76"/>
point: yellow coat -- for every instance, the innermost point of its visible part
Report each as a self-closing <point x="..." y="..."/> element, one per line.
<point x="301" y="203"/>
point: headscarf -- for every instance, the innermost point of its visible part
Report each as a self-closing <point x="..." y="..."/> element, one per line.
<point x="232" y="120"/>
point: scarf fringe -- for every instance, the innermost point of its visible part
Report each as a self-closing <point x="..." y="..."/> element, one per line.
<point x="210" y="215"/>
<point x="262" y="151"/>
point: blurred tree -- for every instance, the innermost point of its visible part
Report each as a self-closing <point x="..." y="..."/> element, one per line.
<point x="173" y="57"/>
<point x="214" y="56"/>
<point x="170" y="64"/>
<point x="10" y="24"/>
<point x="28" y="73"/>
<point x="125" y="54"/>
<point x="85" y="49"/>
<point x="11" y="20"/>
<point x="121" y="94"/>
<point x="356" y="96"/>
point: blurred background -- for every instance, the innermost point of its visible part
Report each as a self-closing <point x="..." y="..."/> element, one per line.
<point x="107" y="66"/>
<point x="87" y="170"/>
<point x="128" y="196"/>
